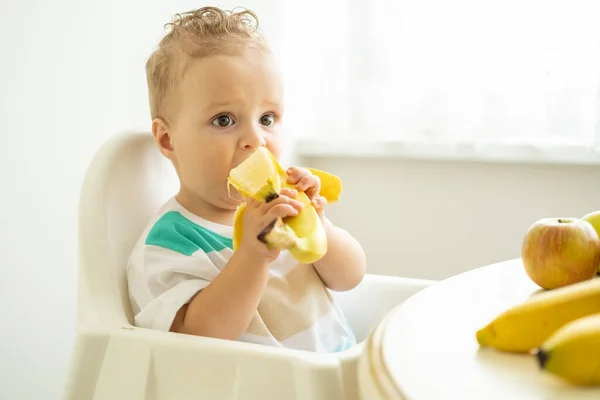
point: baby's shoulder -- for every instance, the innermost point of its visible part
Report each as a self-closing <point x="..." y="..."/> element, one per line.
<point x="173" y="231"/>
<point x="172" y="240"/>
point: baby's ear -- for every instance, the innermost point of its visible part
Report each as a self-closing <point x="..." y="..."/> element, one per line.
<point x="160" y="129"/>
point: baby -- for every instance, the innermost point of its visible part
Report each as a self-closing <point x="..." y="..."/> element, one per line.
<point x="215" y="97"/>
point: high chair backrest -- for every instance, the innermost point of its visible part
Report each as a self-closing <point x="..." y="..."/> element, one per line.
<point x="126" y="182"/>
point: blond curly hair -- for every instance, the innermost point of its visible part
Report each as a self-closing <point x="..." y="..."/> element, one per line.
<point x="197" y="33"/>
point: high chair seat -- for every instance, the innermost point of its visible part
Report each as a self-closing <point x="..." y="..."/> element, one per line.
<point x="126" y="182"/>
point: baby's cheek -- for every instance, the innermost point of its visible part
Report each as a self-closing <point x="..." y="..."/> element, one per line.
<point x="274" y="145"/>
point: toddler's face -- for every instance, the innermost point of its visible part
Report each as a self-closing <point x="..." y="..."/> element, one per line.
<point x="227" y="106"/>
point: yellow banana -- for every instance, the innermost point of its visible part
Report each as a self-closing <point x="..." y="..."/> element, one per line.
<point x="526" y="326"/>
<point x="331" y="185"/>
<point x="262" y="177"/>
<point x="573" y="351"/>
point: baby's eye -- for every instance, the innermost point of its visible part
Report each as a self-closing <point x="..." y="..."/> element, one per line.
<point x="222" y="121"/>
<point x="267" y="120"/>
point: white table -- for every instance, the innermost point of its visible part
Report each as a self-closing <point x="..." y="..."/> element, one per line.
<point x="426" y="348"/>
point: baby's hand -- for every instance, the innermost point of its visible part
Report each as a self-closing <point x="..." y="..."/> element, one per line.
<point x="259" y="215"/>
<point x="310" y="184"/>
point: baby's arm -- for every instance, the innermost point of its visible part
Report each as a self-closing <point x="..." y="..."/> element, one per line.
<point x="225" y="308"/>
<point x="344" y="265"/>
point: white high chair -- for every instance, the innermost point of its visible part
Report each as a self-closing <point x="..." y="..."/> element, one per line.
<point x="127" y="181"/>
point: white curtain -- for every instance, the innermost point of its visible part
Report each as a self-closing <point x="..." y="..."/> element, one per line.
<point x="454" y="71"/>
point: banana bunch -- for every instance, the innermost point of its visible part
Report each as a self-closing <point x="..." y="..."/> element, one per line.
<point x="261" y="177"/>
<point x="561" y="327"/>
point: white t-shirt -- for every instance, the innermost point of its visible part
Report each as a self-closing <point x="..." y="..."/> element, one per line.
<point x="179" y="254"/>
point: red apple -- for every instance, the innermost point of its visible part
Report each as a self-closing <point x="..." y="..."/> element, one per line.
<point x="560" y="251"/>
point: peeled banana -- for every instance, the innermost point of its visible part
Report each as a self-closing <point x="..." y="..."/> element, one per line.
<point x="573" y="351"/>
<point x="261" y="177"/>
<point x="526" y="326"/>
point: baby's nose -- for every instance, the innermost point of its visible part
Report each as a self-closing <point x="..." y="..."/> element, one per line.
<point x="253" y="140"/>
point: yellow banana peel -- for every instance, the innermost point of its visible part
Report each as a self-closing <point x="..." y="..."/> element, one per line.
<point x="262" y="178"/>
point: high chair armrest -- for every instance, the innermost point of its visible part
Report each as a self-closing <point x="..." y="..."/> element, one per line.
<point x="365" y="305"/>
<point x="132" y="363"/>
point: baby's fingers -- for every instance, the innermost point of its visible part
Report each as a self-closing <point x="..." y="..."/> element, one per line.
<point x="319" y="203"/>
<point x="292" y="193"/>
<point x="282" y="200"/>
<point x="281" y="210"/>
<point x="308" y="181"/>
<point x="296" y="173"/>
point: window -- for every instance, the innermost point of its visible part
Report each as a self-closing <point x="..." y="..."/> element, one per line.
<point x="450" y="71"/>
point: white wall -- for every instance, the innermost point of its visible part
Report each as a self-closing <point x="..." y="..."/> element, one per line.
<point x="434" y="219"/>
<point x="72" y="73"/>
